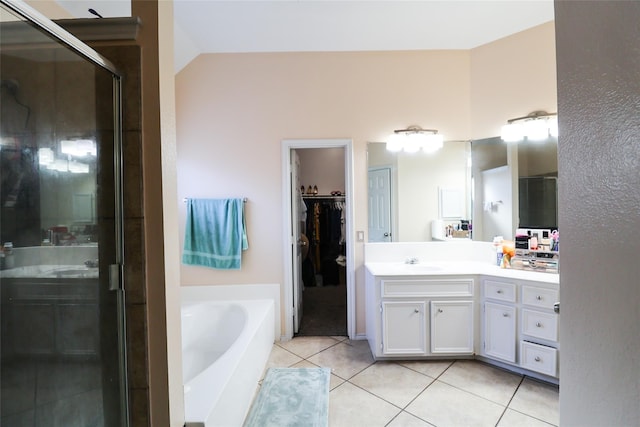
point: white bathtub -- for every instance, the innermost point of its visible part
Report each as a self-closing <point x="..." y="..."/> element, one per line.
<point x="225" y="346"/>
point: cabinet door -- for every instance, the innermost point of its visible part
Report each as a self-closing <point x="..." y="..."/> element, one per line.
<point x="500" y="331"/>
<point x="76" y="327"/>
<point x="452" y="327"/>
<point x="403" y="327"/>
<point x="32" y="326"/>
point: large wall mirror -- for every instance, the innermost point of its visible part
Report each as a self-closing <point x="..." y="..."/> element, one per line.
<point x="496" y="187"/>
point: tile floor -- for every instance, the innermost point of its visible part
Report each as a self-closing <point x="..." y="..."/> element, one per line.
<point x="50" y="394"/>
<point x="418" y="393"/>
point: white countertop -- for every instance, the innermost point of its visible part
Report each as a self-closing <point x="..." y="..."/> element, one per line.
<point x="462" y="268"/>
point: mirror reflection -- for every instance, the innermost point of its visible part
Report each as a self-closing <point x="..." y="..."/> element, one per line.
<point x="495" y="187"/>
<point x="413" y="197"/>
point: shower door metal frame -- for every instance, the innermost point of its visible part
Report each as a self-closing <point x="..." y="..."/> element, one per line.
<point x="116" y="280"/>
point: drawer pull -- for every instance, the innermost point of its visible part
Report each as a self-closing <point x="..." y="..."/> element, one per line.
<point x="537" y="359"/>
<point x="439" y="310"/>
<point x="539" y="297"/>
<point x="416" y="311"/>
<point x="499" y="291"/>
<point x="505" y="314"/>
<point x="539" y="325"/>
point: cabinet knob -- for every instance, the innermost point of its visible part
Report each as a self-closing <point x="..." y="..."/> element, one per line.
<point x="499" y="291"/>
<point x="539" y="297"/>
<point x="537" y="359"/>
<point x="416" y="311"/>
<point x="505" y="314"/>
<point x="538" y="324"/>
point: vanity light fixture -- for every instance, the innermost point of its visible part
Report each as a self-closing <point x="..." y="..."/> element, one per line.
<point x="536" y="126"/>
<point x="78" y="147"/>
<point x="45" y="156"/>
<point x="414" y="139"/>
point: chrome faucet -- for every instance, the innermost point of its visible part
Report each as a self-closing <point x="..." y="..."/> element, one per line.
<point x="91" y="263"/>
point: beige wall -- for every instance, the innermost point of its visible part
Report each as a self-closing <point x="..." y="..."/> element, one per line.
<point x="233" y="111"/>
<point x="511" y="78"/>
<point x="322" y="167"/>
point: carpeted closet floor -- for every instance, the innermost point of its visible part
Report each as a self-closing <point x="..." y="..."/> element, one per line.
<point x="324" y="311"/>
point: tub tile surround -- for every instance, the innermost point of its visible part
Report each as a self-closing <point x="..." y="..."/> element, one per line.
<point x="418" y="393"/>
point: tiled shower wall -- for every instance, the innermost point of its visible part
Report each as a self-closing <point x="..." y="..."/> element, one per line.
<point x="126" y="59"/>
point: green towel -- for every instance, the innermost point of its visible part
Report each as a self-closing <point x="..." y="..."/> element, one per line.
<point x="215" y="233"/>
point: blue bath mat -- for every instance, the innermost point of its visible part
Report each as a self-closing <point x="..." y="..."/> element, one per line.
<point x="292" y="397"/>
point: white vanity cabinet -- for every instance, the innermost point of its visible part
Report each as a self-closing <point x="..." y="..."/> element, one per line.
<point x="519" y="325"/>
<point x="416" y="316"/>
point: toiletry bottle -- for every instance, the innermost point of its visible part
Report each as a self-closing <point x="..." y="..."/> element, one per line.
<point x="9" y="262"/>
<point x="497" y="242"/>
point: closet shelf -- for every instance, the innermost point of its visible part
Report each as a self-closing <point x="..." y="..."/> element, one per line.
<point x="322" y="197"/>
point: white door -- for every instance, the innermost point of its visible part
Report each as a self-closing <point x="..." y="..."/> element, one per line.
<point x="497" y="215"/>
<point x="380" y="205"/>
<point x="297" y="217"/>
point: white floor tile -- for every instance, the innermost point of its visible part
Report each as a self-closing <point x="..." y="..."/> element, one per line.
<point x="392" y="382"/>
<point x="444" y="405"/>
<point x="513" y="418"/>
<point x="537" y="399"/>
<point x="483" y="380"/>
<point x="351" y="406"/>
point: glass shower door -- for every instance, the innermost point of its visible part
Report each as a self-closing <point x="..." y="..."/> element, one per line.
<point x="62" y="354"/>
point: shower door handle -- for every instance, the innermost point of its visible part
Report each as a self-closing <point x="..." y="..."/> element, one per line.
<point x="115" y="277"/>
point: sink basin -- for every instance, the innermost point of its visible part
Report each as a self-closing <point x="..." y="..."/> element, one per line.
<point x="425" y="268"/>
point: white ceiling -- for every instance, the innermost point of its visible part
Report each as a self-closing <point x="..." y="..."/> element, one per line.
<point x="205" y="26"/>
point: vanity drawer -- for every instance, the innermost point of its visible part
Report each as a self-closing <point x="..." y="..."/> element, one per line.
<point x="427" y="288"/>
<point x="500" y="291"/>
<point x="540" y="325"/>
<point x="539" y="297"/>
<point x="539" y="358"/>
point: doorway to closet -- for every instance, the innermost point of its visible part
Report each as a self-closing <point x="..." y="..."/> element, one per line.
<point x="321" y="181"/>
<point x="318" y="255"/>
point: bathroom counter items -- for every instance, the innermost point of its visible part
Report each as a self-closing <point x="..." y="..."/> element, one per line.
<point x="456" y="268"/>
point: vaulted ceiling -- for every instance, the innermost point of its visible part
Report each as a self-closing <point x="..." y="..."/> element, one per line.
<point x="207" y="26"/>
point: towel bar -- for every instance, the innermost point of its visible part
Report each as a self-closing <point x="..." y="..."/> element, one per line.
<point x="244" y="199"/>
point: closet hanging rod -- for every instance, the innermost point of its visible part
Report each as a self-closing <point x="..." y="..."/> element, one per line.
<point x="244" y="200"/>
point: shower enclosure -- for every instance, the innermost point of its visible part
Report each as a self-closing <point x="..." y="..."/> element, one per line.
<point x="62" y="339"/>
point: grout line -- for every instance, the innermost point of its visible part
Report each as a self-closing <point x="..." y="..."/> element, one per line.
<point x="509" y="402"/>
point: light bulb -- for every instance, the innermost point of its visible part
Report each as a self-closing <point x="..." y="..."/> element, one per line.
<point x="394" y="142"/>
<point x="512" y="132"/>
<point x="536" y="130"/>
<point x="553" y="126"/>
